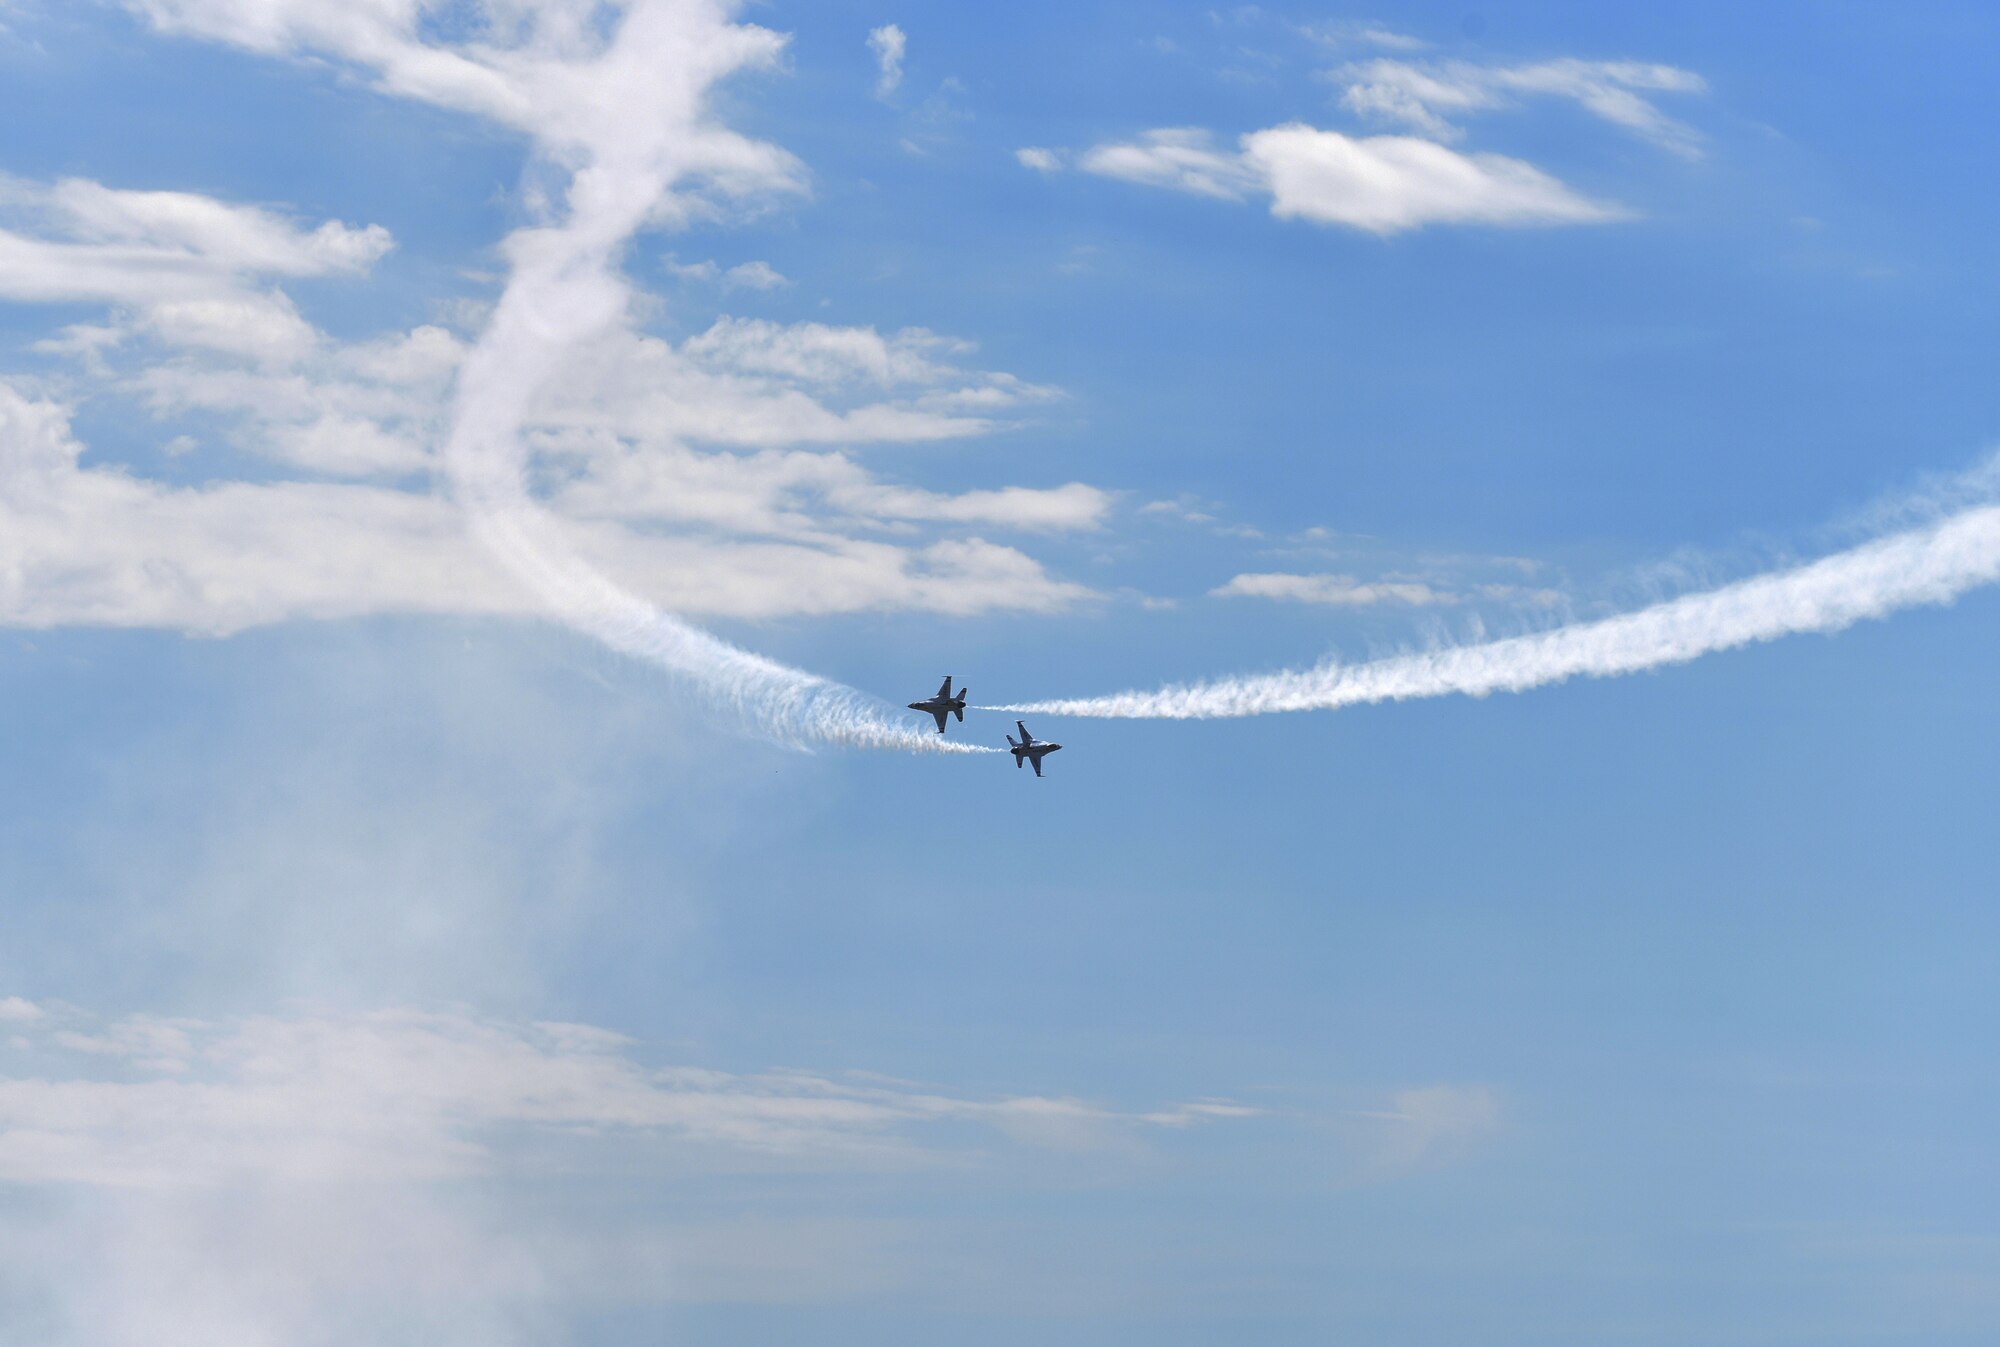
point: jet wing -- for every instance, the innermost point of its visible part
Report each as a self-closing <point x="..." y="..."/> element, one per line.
<point x="1036" y="760"/>
<point x="944" y="689"/>
<point x="939" y="713"/>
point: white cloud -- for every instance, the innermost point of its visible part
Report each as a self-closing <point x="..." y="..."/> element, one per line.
<point x="1354" y="33"/>
<point x="796" y="494"/>
<point x="1335" y="590"/>
<point x="18" y="1008"/>
<point x="189" y="338"/>
<point x="616" y="105"/>
<point x="404" y="1095"/>
<point x="1427" y="1125"/>
<point x="816" y="353"/>
<point x="1073" y="506"/>
<point x="1384" y="184"/>
<point x="103" y="546"/>
<point x="752" y="275"/>
<point x="357" y="410"/>
<point x="1182" y="158"/>
<point x="534" y="68"/>
<point x="1379" y="184"/>
<point x="318" y="1178"/>
<point x="261" y="327"/>
<point x="1040" y="159"/>
<point x="1429" y="97"/>
<point x="755" y="275"/>
<point x="888" y="43"/>
<point x="91" y="242"/>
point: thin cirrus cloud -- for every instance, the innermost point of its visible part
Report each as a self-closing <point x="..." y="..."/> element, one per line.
<point x="316" y="1176"/>
<point x="1430" y="98"/>
<point x="1376" y="184"/>
<point x="756" y="274"/>
<point x="1340" y="591"/>
<point x="408" y="1095"/>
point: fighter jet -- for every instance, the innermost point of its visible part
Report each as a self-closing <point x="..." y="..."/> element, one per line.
<point x="1030" y="749"/>
<point x="943" y="704"/>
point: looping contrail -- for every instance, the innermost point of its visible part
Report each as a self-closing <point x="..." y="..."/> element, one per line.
<point x="642" y="134"/>
<point x="564" y="288"/>
<point x="1933" y="564"/>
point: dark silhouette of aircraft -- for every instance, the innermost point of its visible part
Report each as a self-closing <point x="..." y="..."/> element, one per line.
<point x="943" y="704"/>
<point x="1030" y="750"/>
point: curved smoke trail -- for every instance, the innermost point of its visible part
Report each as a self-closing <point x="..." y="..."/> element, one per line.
<point x="564" y="288"/>
<point x="1933" y="564"/>
<point x="636" y="129"/>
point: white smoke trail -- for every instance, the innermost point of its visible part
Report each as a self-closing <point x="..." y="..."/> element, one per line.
<point x="631" y="121"/>
<point x="1933" y="564"/>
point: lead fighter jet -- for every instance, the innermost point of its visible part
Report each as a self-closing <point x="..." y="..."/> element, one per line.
<point x="1030" y="749"/>
<point x="944" y="704"/>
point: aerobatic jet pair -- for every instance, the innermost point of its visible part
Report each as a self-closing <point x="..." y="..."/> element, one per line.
<point x="1030" y="750"/>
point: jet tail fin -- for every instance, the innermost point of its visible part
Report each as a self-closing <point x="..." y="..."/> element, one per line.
<point x="959" y="710"/>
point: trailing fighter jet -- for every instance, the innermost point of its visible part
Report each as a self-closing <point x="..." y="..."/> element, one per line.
<point x="1030" y="749"/>
<point x="943" y="704"/>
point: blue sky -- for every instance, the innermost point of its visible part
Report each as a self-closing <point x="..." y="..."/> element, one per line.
<point x="406" y="942"/>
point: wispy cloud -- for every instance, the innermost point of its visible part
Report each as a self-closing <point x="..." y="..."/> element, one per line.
<point x="1349" y="33"/>
<point x="1335" y="590"/>
<point x="406" y="1095"/>
<point x="1377" y="184"/>
<point x="753" y="275"/>
<point x="80" y="240"/>
<point x="1432" y="97"/>
<point x="1184" y="159"/>
<point x="888" y="43"/>
<point x="318" y="1177"/>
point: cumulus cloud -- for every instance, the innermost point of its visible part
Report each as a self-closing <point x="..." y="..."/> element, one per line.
<point x="197" y="335"/>
<point x="888" y="43"/>
<point x="1430" y="98"/>
<point x="1040" y="159"/>
<point x="105" y="546"/>
<point x="1378" y="184"/>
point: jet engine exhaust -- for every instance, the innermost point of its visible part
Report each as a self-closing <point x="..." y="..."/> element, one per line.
<point x="1925" y="566"/>
<point x="564" y="288"/>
